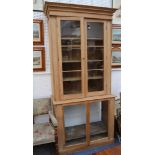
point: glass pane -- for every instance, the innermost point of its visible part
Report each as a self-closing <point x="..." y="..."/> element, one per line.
<point x="95" y="53"/>
<point x="71" y="56"/>
<point x="71" y="66"/>
<point x="116" y="57"/>
<point x="95" y="42"/>
<point x="70" y="41"/>
<point x="95" y="50"/>
<point x="70" y="28"/>
<point x="98" y="120"/>
<point x="75" y="124"/>
<point x="95" y="30"/>
<point x="116" y="35"/>
<point x="72" y="82"/>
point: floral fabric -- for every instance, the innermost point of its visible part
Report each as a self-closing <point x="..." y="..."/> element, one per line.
<point x="43" y="133"/>
<point x="41" y="106"/>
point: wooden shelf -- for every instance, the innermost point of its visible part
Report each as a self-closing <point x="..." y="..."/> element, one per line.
<point x="71" y="61"/>
<point x="94" y="38"/>
<point x="71" y="38"/>
<point x="79" y="131"/>
<point x="95" y="77"/>
<point x="74" y="46"/>
<point x="95" y="46"/>
<point x="74" y="61"/>
<point x="79" y="78"/>
<point x="95" y="69"/>
<point x="72" y="79"/>
<point x="71" y="71"/>
<point x="90" y="98"/>
<point x="94" y="60"/>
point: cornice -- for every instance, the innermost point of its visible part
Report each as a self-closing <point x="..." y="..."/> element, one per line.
<point x="63" y="7"/>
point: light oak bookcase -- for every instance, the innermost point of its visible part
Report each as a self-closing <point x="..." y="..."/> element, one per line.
<point x="80" y="39"/>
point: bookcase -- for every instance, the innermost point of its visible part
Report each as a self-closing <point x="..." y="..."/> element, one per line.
<point x="80" y="39"/>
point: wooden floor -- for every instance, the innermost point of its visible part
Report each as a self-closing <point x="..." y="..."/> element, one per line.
<point x="111" y="151"/>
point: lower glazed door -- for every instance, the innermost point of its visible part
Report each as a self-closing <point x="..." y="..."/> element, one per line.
<point x="75" y="124"/>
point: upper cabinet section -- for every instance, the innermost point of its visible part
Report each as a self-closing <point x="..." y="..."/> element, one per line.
<point x="80" y="46"/>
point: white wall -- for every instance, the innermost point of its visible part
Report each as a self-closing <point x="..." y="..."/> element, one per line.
<point x="42" y="80"/>
<point x="116" y="82"/>
<point x="105" y="3"/>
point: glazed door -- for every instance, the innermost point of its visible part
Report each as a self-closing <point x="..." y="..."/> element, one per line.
<point x="75" y="124"/>
<point x="95" y="57"/>
<point x="101" y="120"/>
<point x="70" y="58"/>
<point x="98" y="120"/>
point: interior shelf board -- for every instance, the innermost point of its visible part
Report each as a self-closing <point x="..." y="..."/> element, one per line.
<point x="99" y="68"/>
<point x="95" y="69"/>
<point x="94" y="46"/>
<point x="94" y="38"/>
<point x="94" y="60"/>
<point x="74" y="46"/>
<point x="65" y="38"/>
<point x="72" y="71"/>
<point x="71" y="61"/>
<point x="72" y="79"/>
<point x="95" y="77"/>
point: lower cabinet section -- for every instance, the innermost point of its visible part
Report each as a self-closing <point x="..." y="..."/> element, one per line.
<point x="84" y="124"/>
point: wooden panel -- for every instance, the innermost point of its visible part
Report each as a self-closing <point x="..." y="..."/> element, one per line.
<point x="103" y="97"/>
<point x="54" y="57"/>
<point x="83" y="55"/>
<point x="60" y="57"/>
<point x="111" y="108"/>
<point x="107" y="58"/>
<point x="50" y="6"/>
<point x="73" y="14"/>
<point x="102" y="141"/>
<point x="105" y="112"/>
<point x="60" y="119"/>
<point x="68" y="150"/>
<point x="88" y="123"/>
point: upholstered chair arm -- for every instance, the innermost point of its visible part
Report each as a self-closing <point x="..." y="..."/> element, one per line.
<point x="53" y="119"/>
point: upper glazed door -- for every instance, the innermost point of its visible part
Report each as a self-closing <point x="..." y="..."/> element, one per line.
<point x="95" y="30"/>
<point x="70" y="54"/>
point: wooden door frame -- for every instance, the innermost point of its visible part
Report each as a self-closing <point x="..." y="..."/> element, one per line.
<point x="70" y="96"/>
<point x="95" y="93"/>
<point x="75" y="146"/>
<point x="110" y="120"/>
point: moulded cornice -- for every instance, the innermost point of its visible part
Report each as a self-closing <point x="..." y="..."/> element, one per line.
<point x="52" y="8"/>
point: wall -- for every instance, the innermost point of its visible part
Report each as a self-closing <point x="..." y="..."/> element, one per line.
<point x="105" y="3"/>
<point x="42" y="80"/>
